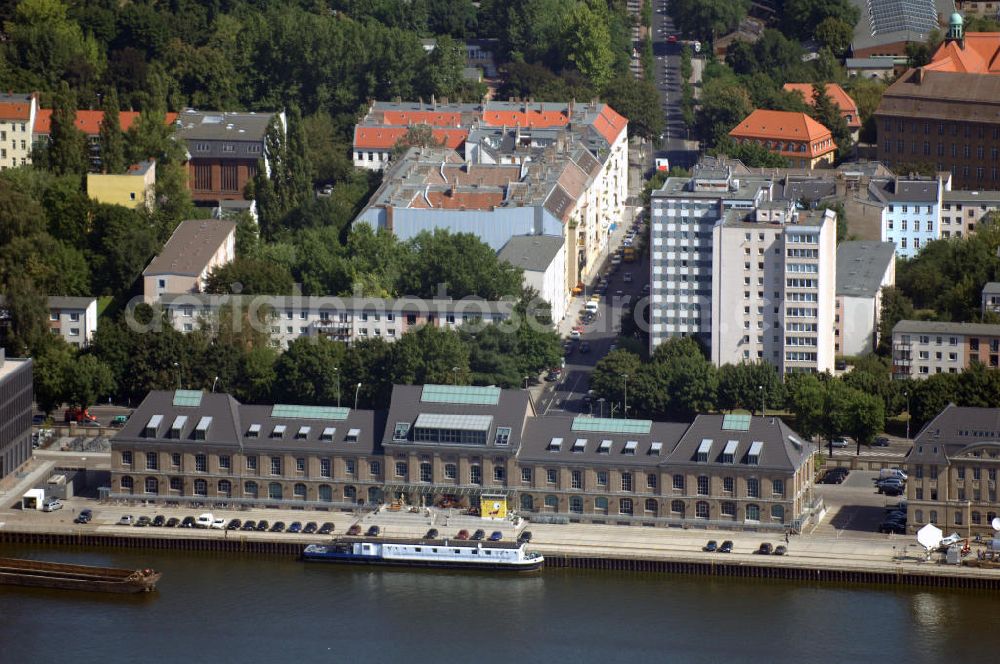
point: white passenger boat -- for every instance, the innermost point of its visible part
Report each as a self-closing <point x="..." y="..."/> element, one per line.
<point x="455" y="554"/>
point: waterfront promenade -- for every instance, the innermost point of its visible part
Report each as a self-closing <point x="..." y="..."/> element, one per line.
<point x="874" y="554"/>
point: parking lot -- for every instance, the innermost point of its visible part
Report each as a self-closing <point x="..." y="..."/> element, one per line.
<point x="854" y="508"/>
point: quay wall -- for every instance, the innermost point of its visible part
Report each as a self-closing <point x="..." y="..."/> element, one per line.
<point x="935" y="576"/>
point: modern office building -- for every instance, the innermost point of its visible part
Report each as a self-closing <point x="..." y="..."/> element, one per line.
<point x="347" y="319"/>
<point x="864" y="268"/>
<point x="16" y="386"/>
<point x="921" y="348"/>
<point x="195" y="248"/>
<point x="952" y="472"/>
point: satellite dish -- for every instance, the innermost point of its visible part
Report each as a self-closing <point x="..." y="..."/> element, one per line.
<point x="929" y="536"/>
<point x="995" y="523"/>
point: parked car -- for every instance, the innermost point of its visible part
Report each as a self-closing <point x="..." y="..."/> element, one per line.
<point x="524" y="537"/>
<point x="125" y="520"/>
<point x="780" y="550"/>
<point x="575" y="334"/>
<point x="727" y="547"/>
<point x="172" y="522"/>
<point x="278" y="527"/>
<point x="478" y="535"/>
<point x="892" y="492"/>
<point x="765" y="549"/>
<point x="218" y="524"/>
<point x="881" y="441"/>
<point x="51" y="505"/>
<point x="249" y="525"/>
<point x="85" y="516"/>
<point x="462" y="535"/>
<point x="496" y="536"/>
<point x="672" y="39"/>
<point x="187" y="522"/>
<point x="431" y="534"/>
<point x="553" y="375"/>
<point x="204" y="520"/>
<point x="310" y="528"/>
<point x="373" y="531"/>
<point x="326" y="528"/>
<point x="295" y="527"/>
<point x="627" y="277"/>
<point x="839" y="442"/>
<point x="142" y="522"/>
<point x="711" y="547"/>
<point x="954" y="538"/>
<point x="118" y="421"/>
<point x="159" y="520"/>
<point x="585" y="347"/>
<point x="37" y="420"/>
<point x="894" y="527"/>
<point x="262" y="526"/>
<point x="354" y="530"/>
<point x="234" y="524"/>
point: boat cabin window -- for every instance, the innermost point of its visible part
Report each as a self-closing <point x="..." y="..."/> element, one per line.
<point x="458" y="551"/>
<point x="417" y="549"/>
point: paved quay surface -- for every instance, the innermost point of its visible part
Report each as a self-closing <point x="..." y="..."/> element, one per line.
<point x="874" y="552"/>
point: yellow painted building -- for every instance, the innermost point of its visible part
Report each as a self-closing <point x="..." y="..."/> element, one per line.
<point x="134" y="189"/>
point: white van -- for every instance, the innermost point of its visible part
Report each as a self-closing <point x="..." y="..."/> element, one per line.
<point x="592" y="307"/>
<point x="204" y="520"/>
<point x="892" y="473"/>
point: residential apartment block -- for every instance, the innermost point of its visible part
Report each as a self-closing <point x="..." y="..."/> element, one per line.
<point x="17" y="120"/>
<point x="922" y="348"/>
<point x="88" y="122"/>
<point x="864" y="268"/>
<point x="911" y="210"/>
<point x="15" y="413"/>
<point x="991" y="298"/>
<point x="347" y="319"/>
<point x="543" y="260"/>
<point x="748" y="273"/>
<point x="193" y="250"/>
<point x="463" y="445"/>
<point x="72" y="318"/>
<point x="953" y="472"/>
<point x="223" y="150"/>
<point x="945" y="112"/>
<point x="795" y="136"/>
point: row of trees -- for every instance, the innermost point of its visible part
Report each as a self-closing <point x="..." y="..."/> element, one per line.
<point x="124" y="364"/>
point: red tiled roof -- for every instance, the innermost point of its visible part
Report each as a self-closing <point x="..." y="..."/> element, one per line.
<point x="836" y="93"/>
<point x="383" y="138"/>
<point x="89" y="122"/>
<point x="783" y="126"/>
<point x="525" y="118"/>
<point x="451" y="200"/>
<point x="15" y="110"/>
<point x="981" y="55"/>
<point x="610" y="124"/>
<point x="433" y="118"/>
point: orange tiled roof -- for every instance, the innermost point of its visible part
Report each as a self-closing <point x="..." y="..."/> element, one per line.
<point x="15" y="110"/>
<point x="384" y="138"/>
<point x="610" y="124"/>
<point x="89" y="122"/>
<point x="836" y="93"/>
<point x="433" y="118"/>
<point x="525" y="119"/>
<point x="784" y="126"/>
<point x="452" y="200"/>
<point x="981" y="55"/>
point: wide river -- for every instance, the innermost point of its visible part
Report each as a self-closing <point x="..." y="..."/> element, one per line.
<point x="223" y="608"/>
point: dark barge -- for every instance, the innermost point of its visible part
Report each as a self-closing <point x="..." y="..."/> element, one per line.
<point x="41" y="574"/>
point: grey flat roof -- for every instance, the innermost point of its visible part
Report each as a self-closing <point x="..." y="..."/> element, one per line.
<point x="869" y="63"/>
<point x="861" y="266"/>
<point x="191" y="246"/>
<point x="945" y="327"/>
<point x="222" y="126"/>
<point x="69" y="302"/>
<point x="971" y="197"/>
<point x="533" y="253"/>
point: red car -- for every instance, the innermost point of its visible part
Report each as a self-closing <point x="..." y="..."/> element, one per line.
<point x="462" y="535"/>
<point x="672" y="39"/>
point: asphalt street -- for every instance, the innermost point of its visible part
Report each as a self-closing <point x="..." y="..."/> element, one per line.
<point x="668" y="81"/>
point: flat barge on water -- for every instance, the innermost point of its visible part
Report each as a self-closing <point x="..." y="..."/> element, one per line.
<point x="40" y="574"/>
<point x="447" y="554"/>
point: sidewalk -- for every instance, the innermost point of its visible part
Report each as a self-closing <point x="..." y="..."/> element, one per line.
<point x="13" y="490"/>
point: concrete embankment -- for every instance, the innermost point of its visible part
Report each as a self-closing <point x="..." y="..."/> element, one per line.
<point x="605" y="555"/>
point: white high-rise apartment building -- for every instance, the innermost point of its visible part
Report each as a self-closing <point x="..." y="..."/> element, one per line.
<point x="684" y="212"/>
<point x="774" y="287"/>
<point x="752" y="277"/>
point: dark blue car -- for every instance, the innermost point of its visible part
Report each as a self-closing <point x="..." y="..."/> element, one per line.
<point x="496" y="536"/>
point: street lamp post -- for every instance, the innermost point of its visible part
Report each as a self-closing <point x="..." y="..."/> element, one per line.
<point x="356" y="390"/>
<point x="625" y="405"/>
<point x="907" y="395"/>
<point x="526" y="382"/>
<point x="177" y="366"/>
<point x="454" y="375"/>
<point x="214" y="382"/>
<point x="601" y="401"/>
<point x="761" y="388"/>
<point x="336" y="374"/>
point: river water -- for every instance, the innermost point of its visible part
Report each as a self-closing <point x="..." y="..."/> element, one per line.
<point x="224" y="608"/>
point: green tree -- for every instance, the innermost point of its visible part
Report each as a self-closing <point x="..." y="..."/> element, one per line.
<point x="67" y="152"/>
<point x="723" y="106"/>
<point x="708" y="19"/>
<point x="46" y="47"/>
<point x="607" y="379"/>
<point x="588" y="44"/>
<point x="865" y="417"/>
<point x="430" y="355"/>
<point x="836" y="34"/>
<point x="123" y="242"/>
<point x="444" y="68"/>
<point x="754" y="155"/>
<point x="250" y="276"/>
<point x="749" y="385"/>
<point x="27" y="312"/>
<point x="805" y="393"/>
<point x="639" y="102"/>
<point x="828" y="114"/>
<point x="305" y="371"/>
<point x="86" y="380"/>
<point x="55" y="267"/>
<point x="19" y="214"/>
<point x="111" y="137"/>
<point x="895" y="307"/>
<point x="50" y="367"/>
<point x="416" y="136"/>
<point x="459" y="264"/>
<point x="802" y="18"/>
